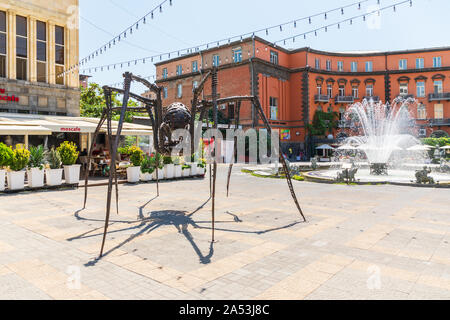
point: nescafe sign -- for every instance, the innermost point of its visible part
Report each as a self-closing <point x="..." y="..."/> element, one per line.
<point x="5" y="97"/>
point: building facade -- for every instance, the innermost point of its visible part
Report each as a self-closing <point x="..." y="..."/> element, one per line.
<point x="38" y="42"/>
<point x="293" y="84"/>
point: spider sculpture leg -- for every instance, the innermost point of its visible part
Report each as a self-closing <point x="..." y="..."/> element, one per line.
<point x="230" y="169"/>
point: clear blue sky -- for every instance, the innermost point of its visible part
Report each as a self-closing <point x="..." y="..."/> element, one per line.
<point x="191" y="22"/>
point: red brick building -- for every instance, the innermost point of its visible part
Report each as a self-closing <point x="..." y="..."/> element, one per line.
<point x="293" y="84"/>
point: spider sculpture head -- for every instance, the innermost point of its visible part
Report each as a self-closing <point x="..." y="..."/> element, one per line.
<point x="176" y="116"/>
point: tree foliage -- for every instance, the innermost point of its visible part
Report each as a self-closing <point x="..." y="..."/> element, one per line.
<point x="323" y="123"/>
<point x="92" y="103"/>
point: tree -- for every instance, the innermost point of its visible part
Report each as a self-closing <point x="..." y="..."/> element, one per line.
<point x="323" y="122"/>
<point x="92" y="103"/>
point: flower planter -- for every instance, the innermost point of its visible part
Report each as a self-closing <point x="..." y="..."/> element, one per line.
<point x="169" y="171"/>
<point x="53" y="177"/>
<point x="178" y="172"/>
<point x="160" y="174"/>
<point x="133" y="174"/>
<point x="2" y="180"/>
<point x="146" y="176"/>
<point x="201" y="171"/>
<point x="16" y="180"/>
<point x="186" y="172"/>
<point x="35" y="178"/>
<point x="194" y="170"/>
<point x="72" y="174"/>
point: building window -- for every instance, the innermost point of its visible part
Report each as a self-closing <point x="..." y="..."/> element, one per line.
<point x="319" y="90"/>
<point x="194" y="84"/>
<point x="340" y="66"/>
<point x="3" y="38"/>
<point x="355" y="92"/>
<point x="41" y="51"/>
<point x="237" y="55"/>
<point x="330" y="90"/>
<point x="419" y="63"/>
<point x="179" y="70"/>
<point x="439" y="111"/>
<point x="354" y="66"/>
<point x="274" y="57"/>
<point x="420" y="89"/>
<point x="437" y="62"/>
<point x="59" y="53"/>
<point x="216" y="60"/>
<point x="369" y="66"/>
<point x="194" y="66"/>
<point x="231" y="111"/>
<point x="438" y="88"/>
<point x="273" y="108"/>
<point x="369" y="90"/>
<point x="403" y="89"/>
<point x="421" y="111"/>
<point x="165" y="73"/>
<point x="21" y="47"/>
<point x="179" y="90"/>
<point x="402" y="64"/>
<point x="317" y="61"/>
<point x="328" y="65"/>
<point x="164" y="92"/>
<point x="341" y="90"/>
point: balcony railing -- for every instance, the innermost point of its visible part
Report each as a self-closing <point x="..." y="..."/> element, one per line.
<point x="439" y="122"/>
<point x="375" y="98"/>
<point x="439" y="96"/>
<point x="321" y="98"/>
<point x="344" y="99"/>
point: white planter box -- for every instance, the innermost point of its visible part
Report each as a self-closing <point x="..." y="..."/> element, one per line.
<point x="193" y="169"/>
<point x="16" y="180"/>
<point x="178" y="172"/>
<point x="53" y="177"/>
<point x="35" y="178"/>
<point x="146" y="176"/>
<point x="160" y="174"/>
<point x="72" y="174"/>
<point x="133" y="174"/>
<point x="169" y="171"/>
<point x="2" y="180"/>
<point x="186" y="172"/>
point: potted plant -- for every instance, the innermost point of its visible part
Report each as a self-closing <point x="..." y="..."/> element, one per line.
<point x="158" y="164"/>
<point x="147" y="169"/>
<point x="201" y="167"/>
<point x="136" y="157"/>
<point x="178" y="171"/>
<point x="169" y="167"/>
<point x="186" y="170"/>
<point x="69" y="155"/>
<point x="17" y="164"/>
<point x="53" y="170"/>
<point x="35" y="171"/>
<point x="6" y="155"/>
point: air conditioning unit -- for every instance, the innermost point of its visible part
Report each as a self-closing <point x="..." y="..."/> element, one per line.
<point x="223" y="107"/>
<point x="422" y="132"/>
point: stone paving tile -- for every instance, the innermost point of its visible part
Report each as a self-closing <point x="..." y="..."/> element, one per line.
<point x="264" y="250"/>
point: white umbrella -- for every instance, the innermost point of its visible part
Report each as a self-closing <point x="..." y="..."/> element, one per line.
<point x="347" y="147"/>
<point x="325" y="147"/>
<point x="446" y="148"/>
<point x="419" y="147"/>
<point x="365" y="147"/>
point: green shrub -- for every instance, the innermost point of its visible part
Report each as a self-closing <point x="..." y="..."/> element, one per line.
<point x="298" y="178"/>
<point x="6" y="154"/>
<point x="68" y="153"/>
<point x="147" y="165"/>
<point x="136" y="155"/>
<point x="157" y="160"/>
<point x="202" y="163"/>
<point x="185" y="166"/>
<point x="20" y="158"/>
<point x="36" y="157"/>
<point x="53" y="159"/>
<point x="167" y="160"/>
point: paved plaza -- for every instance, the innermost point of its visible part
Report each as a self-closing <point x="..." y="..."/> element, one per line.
<point x="360" y="242"/>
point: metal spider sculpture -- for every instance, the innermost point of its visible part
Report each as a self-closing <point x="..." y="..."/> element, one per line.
<point x="164" y="122"/>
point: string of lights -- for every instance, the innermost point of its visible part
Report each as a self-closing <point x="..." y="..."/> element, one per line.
<point x="122" y="35"/>
<point x="338" y="24"/>
<point x="216" y="43"/>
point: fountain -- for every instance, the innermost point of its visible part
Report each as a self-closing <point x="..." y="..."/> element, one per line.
<point x="382" y="144"/>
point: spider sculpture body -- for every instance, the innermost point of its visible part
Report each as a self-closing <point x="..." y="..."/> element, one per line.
<point x="164" y="123"/>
